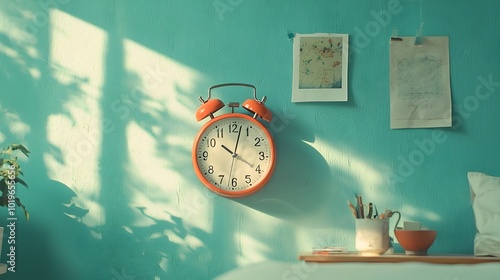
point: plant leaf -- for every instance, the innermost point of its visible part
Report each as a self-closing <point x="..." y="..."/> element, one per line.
<point x="4" y="199"/>
<point x="21" y="148"/>
<point x="3" y="186"/>
<point x="19" y="180"/>
<point x="18" y="202"/>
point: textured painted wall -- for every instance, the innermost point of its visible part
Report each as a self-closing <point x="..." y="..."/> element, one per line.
<point x="104" y="95"/>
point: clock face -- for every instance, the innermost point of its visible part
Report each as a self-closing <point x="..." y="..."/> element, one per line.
<point x="234" y="155"/>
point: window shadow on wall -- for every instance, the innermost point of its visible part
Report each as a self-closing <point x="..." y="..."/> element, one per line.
<point x="28" y="95"/>
<point x="58" y="242"/>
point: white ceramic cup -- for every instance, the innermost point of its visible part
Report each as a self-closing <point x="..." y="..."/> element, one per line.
<point x="372" y="236"/>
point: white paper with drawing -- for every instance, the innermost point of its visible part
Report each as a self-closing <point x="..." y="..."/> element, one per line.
<point x="320" y="64"/>
<point x="420" y="83"/>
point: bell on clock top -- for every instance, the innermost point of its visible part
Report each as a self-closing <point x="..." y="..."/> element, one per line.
<point x="254" y="106"/>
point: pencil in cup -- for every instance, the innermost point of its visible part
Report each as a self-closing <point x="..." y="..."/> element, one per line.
<point x="353" y="209"/>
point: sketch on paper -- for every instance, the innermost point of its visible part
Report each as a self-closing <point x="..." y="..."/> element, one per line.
<point x="320" y="67"/>
<point x="320" y="62"/>
<point x="419" y="76"/>
<point x="420" y="83"/>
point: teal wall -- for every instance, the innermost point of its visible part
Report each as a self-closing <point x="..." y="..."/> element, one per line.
<point x="104" y="95"/>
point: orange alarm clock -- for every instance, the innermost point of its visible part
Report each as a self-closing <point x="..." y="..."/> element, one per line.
<point x="234" y="154"/>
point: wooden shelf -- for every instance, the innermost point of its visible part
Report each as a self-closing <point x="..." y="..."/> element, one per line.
<point x="396" y="258"/>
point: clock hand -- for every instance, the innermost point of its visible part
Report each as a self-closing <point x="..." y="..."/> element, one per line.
<point x="227" y="149"/>
<point x="230" y="172"/>
<point x="237" y="141"/>
<point x="234" y="156"/>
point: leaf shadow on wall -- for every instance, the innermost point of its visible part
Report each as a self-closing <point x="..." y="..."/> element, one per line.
<point x="141" y="237"/>
<point x="57" y="243"/>
<point x="52" y="216"/>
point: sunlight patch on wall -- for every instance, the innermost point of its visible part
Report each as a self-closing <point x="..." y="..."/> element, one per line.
<point x="369" y="180"/>
<point x="187" y="245"/>
<point x="252" y="250"/>
<point x="20" y="34"/>
<point x="167" y="84"/>
<point x="76" y="58"/>
<point x="15" y="125"/>
<point x="414" y="213"/>
<point x="157" y="182"/>
<point x="249" y="237"/>
<point x="159" y="144"/>
<point x="76" y="54"/>
<point x="151" y="184"/>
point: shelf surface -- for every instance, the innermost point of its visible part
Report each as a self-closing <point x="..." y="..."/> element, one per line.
<point x="396" y="258"/>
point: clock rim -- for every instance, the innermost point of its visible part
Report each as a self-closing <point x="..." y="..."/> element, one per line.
<point x="239" y="193"/>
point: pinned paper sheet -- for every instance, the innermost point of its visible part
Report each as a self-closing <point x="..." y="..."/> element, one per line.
<point x="420" y="83"/>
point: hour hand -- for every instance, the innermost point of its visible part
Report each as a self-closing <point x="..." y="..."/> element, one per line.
<point x="227" y="149"/>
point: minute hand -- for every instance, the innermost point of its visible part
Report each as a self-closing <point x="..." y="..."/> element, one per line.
<point x="237" y="141"/>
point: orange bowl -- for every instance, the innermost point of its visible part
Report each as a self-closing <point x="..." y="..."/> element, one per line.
<point x="415" y="242"/>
